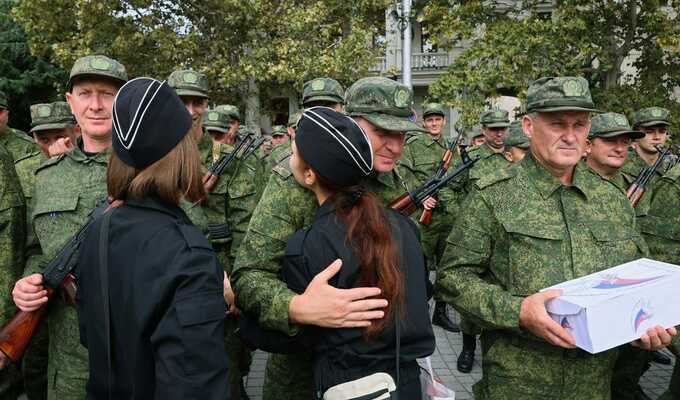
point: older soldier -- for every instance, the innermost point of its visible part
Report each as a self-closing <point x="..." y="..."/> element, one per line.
<point x="422" y="156"/>
<point x="539" y="223"/>
<point x="383" y="109"/>
<point x="516" y="143"/>
<point x="67" y="188"/>
<point x="323" y="92"/>
<point x="13" y="140"/>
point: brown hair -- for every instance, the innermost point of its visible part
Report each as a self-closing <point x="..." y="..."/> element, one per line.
<point x="176" y="175"/>
<point x="369" y="234"/>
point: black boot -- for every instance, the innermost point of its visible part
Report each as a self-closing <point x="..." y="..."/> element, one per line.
<point x="467" y="355"/>
<point x="441" y="318"/>
<point x="660" y="358"/>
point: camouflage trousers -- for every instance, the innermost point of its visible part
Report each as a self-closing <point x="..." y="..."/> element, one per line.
<point x="515" y="367"/>
<point x="288" y="377"/>
<point x="630" y="365"/>
<point x="468" y="327"/>
<point x="239" y="355"/>
<point x="34" y="365"/>
<point x="67" y="367"/>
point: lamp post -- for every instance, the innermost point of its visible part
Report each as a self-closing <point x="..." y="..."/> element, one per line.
<point x="404" y="25"/>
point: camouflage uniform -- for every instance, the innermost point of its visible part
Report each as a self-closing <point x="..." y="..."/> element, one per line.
<point x="520" y="231"/>
<point x="286" y="207"/>
<point x="12" y="233"/>
<point x="67" y="188"/>
<point x="322" y="90"/>
<point x="516" y="136"/>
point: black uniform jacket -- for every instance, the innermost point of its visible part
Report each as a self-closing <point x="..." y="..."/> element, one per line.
<point x="341" y="355"/>
<point x="166" y="307"/>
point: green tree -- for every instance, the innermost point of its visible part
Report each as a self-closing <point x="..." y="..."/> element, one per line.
<point x="509" y="46"/>
<point x="26" y="79"/>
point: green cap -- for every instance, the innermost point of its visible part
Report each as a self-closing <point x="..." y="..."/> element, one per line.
<point x="216" y="121"/>
<point x="383" y="102"/>
<point x="322" y="89"/>
<point x="98" y="66"/>
<point x="470" y="134"/>
<point x="231" y="111"/>
<point x="611" y="124"/>
<point x="651" y="116"/>
<point x="189" y="83"/>
<point x="516" y="136"/>
<point x="433" y="109"/>
<point x="553" y="94"/>
<point x="293" y="119"/>
<point x="279" y="130"/>
<point x="3" y="100"/>
<point x="51" y="116"/>
<point x="494" y="119"/>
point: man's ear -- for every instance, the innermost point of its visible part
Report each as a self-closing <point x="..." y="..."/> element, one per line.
<point x="508" y="156"/>
<point x="589" y="146"/>
<point x="527" y="125"/>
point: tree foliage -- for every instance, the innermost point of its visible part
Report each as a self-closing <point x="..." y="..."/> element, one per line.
<point x="628" y="50"/>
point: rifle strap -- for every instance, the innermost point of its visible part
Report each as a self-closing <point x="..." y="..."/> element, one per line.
<point x="104" y="280"/>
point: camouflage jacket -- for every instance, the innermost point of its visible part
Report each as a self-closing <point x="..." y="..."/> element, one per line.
<point x="284" y="208"/>
<point x="17" y="143"/>
<point x="661" y="225"/>
<point x="423" y="155"/>
<point x="12" y="233"/>
<point x="26" y="168"/>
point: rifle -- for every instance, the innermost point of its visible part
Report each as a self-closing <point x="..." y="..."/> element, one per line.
<point x="213" y="175"/>
<point x="408" y="202"/>
<point x="18" y="332"/>
<point x="638" y="188"/>
<point x="256" y="145"/>
<point x="426" y="216"/>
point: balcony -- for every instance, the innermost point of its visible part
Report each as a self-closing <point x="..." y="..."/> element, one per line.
<point x="419" y="62"/>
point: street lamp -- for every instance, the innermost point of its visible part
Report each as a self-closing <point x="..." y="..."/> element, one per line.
<point x="403" y="19"/>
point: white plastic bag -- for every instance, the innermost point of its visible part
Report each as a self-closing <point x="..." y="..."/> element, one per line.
<point x="433" y="388"/>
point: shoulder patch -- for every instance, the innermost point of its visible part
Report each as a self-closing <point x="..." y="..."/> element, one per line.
<point x="498" y="176"/>
<point x="50" y="162"/>
<point x="195" y="238"/>
<point x="283" y="169"/>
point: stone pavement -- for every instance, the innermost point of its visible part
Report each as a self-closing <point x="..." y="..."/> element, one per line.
<point x="654" y="382"/>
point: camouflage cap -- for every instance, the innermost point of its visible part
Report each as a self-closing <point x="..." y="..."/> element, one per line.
<point x="651" y="116"/>
<point x="293" y="119"/>
<point x="4" y="103"/>
<point x="189" y="83"/>
<point x="48" y="116"/>
<point x="553" y="94"/>
<point x="384" y="103"/>
<point x="279" y="130"/>
<point x="470" y="134"/>
<point x="611" y="125"/>
<point x="214" y="120"/>
<point x="322" y="89"/>
<point x="494" y="119"/>
<point x="98" y="66"/>
<point x="516" y="136"/>
<point x="433" y="109"/>
<point x="231" y="111"/>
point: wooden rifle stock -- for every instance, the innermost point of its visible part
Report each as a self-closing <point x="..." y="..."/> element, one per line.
<point x="404" y="204"/>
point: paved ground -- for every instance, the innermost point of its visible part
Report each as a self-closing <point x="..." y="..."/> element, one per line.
<point x="654" y="382"/>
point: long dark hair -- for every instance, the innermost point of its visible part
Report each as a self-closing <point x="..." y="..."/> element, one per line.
<point x="369" y="234"/>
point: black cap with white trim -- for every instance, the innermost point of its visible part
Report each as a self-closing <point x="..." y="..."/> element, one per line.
<point x="334" y="146"/>
<point x="149" y="120"/>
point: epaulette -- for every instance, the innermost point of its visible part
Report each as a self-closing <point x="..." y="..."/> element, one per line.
<point x="50" y="162"/>
<point x="412" y="139"/>
<point x="282" y="155"/>
<point x="27" y="156"/>
<point x="497" y="176"/>
<point x="194" y="237"/>
<point x="22" y="135"/>
<point x="282" y="168"/>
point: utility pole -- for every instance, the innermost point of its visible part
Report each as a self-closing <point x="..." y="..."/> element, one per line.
<point x="405" y="26"/>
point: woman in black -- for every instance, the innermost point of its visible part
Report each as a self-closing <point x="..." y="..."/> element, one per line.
<point x="150" y="298"/>
<point x="377" y="246"/>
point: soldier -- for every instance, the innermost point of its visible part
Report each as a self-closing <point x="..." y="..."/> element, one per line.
<point x="323" y="92"/>
<point x="216" y="123"/>
<point x="12" y="234"/>
<point x="516" y="143"/>
<point x="54" y="130"/>
<point x="536" y="224"/>
<point x="234" y="123"/>
<point x="67" y="188"/>
<point x="279" y="135"/>
<point x="422" y="157"/>
<point x="475" y="136"/>
<point x="192" y="87"/>
<point x="383" y="109"/>
<point x="13" y="140"/>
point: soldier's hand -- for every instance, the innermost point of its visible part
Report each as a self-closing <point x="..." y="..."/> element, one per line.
<point x="230" y="297"/>
<point x="656" y="338"/>
<point x="324" y="305"/>
<point x="429" y="203"/>
<point x="209" y="181"/>
<point x="29" y="293"/>
<point x="60" y="146"/>
<point x="534" y="318"/>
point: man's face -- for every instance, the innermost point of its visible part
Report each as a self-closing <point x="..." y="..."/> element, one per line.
<point x="434" y="124"/>
<point x="608" y="154"/>
<point x="656" y="135"/>
<point x="478" y="140"/>
<point x="234" y="124"/>
<point x="196" y="107"/>
<point x="91" y="103"/>
<point x="387" y="145"/>
<point x="279" y="140"/>
<point x="47" y="140"/>
<point x="217" y="136"/>
<point x="4" y="117"/>
<point x="494" y="136"/>
<point x="558" y="139"/>
<point x="514" y="154"/>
